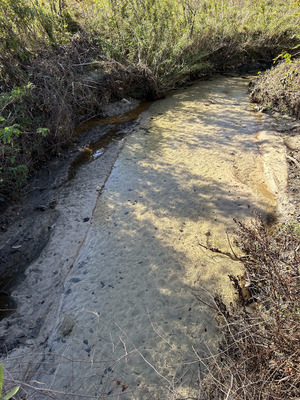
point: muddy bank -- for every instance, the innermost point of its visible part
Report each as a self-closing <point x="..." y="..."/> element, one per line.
<point x="58" y="208"/>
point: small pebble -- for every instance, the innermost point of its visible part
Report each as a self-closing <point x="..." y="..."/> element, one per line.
<point x="40" y="208"/>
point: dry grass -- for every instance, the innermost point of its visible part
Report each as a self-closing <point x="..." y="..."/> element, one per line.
<point x="260" y="355"/>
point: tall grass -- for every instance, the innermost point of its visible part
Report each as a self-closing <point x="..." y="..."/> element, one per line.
<point x="170" y="37"/>
<point x="75" y="55"/>
<point x="177" y="38"/>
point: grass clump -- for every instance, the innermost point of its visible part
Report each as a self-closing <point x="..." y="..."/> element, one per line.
<point x="260" y="354"/>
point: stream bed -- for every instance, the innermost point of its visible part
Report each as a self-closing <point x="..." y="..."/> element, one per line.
<point x="130" y="324"/>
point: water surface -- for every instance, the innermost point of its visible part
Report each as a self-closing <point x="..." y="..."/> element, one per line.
<point x="130" y="320"/>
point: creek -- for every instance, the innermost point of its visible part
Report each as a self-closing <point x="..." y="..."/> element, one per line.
<point x="130" y="324"/>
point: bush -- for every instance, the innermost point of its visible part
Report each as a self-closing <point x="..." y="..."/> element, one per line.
<point x="260" y="354"/>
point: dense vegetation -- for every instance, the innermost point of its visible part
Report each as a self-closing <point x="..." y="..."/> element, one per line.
<point x="62" y="60"/>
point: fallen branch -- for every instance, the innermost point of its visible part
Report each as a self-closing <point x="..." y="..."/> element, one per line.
<point x="216" y="250"/>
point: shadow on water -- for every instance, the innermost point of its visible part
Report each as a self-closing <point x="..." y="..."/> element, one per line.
<point x="116" y="125"/>
<point x="130" y="294"/>
<point x="131" y="287"/>
<point x="111" y="129"/>
<point x="94" y="150"/>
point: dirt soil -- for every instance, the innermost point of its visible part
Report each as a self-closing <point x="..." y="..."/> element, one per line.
<point x="49" y="225"/>
<point x="292" y="143"/>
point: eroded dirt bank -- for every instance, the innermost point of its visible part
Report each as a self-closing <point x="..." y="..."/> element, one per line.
<point x="196" y="161"/>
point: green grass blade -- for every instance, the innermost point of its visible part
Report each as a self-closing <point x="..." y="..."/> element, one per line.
<point x="11" y="394"/>
<point x="1" y="379"/>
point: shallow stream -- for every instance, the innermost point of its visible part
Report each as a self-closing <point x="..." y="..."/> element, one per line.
<point x="130" y="318"/>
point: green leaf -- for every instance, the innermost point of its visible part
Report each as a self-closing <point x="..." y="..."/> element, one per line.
<point x="1" y="379"/>
<point x="43" y="131"/>
<point x="11" y="394"/>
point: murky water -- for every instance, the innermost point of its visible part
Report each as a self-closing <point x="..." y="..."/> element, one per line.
<point x="116" y="131"/>
<point x="130" y="320"/>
